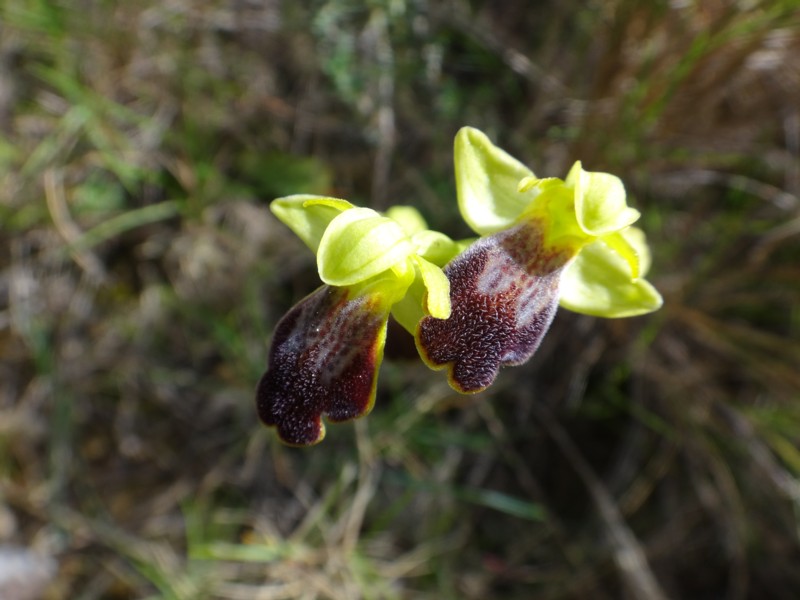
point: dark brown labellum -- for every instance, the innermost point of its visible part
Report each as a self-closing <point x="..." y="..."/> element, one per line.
<point x="504" y="295"/>
<point x="323" y="360"/>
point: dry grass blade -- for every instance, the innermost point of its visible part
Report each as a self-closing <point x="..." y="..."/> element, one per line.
<point x="629" y="556"/>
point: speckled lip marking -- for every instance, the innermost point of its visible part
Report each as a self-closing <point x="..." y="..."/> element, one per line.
<point x="504" y="295"/>
<point x="323" y="360"/>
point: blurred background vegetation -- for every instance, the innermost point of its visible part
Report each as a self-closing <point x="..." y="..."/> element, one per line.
<point x="141" y="274"/>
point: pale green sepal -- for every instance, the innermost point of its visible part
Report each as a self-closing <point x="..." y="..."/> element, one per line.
<point x="486" y="182"/>
<point x="619" y="243"/>
<point x="637" y="239"/>
<point x="336" y="203"/>
<point x="599" y="201"/>
<point x="438" y="287"/>
<point x="359" y="244"/>
<point x="308" y="216"/>
<point x="408" y="312"/>
<point x="599" y="283"/>
<point x="409" y="218"/>
<point x="435" y="247"/>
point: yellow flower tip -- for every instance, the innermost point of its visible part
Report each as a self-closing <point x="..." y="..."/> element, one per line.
<point x="437" y="289"/>
<point x="600" y="201"/>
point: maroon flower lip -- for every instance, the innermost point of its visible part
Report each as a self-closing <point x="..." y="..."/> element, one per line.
<point x="323" y="361"/>
<point x="504" y="295"/>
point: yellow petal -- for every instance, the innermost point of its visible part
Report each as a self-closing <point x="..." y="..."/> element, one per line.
<point x="438" y="288"/>
<point x="359" y="244"/>
<point x="599" y="201"/>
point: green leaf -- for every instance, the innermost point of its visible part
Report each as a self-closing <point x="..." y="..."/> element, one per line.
<point x="499" y="501"/>
<point x="359" y="244"/>
<point x="487" y="180"/>
<point x="308" y="216"/>
<point x="599" y="282"/>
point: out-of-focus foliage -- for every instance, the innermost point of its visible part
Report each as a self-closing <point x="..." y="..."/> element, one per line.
<point x="141" y="275"/>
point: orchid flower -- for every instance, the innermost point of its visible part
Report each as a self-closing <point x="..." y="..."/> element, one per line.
<point x="326" y="350"/>
<point x="545" y="242"/>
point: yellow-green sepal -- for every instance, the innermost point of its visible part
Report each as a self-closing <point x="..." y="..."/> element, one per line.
<point x="307" y="215"/>
<point x="600" y="282"/>
<point x="358" y="244"/>
<point x="636" y="238"/>
<point x="620" y="243"/>
<point x="487" y="180"/>
<point x="408" y="312"/>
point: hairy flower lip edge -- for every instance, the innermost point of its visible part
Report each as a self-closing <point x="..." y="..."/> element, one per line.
<point x="504" y="293"/>
<point x="449" y="367"/>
